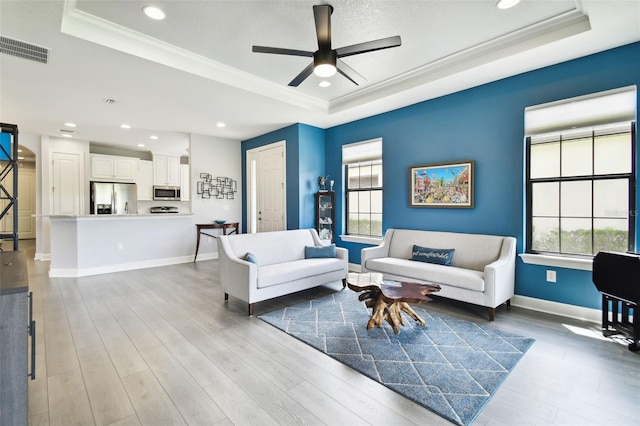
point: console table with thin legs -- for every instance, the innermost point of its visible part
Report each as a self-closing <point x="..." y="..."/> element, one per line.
<point x="233" y="226"/>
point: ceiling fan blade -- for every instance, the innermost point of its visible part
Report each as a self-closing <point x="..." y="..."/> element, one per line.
<point x="322" y="14"/>
<point x="279" y="51"/>
<point x="350" y="73"/>
<point x="369" y="46"/>
<point x="302" y="76"/>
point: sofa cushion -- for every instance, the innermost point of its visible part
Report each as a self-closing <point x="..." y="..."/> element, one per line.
<point x="280" y="273"/>
<point x="440" y="274"/>
<point x="312" y="252"/>
<point x="272" y="247"/>
<point x="250" y="257"/>
<point x="431" y="255"/>
<point x="473" y="251"/>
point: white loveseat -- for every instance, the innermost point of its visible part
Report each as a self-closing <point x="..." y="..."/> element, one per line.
<point x="280" y="266"/>
<point x="482" y="270"/>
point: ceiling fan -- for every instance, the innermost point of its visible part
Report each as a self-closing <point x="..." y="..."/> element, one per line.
<point x="326" y="61"/>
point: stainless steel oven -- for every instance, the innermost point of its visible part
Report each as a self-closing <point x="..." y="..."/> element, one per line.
<point x="166" y="193"/>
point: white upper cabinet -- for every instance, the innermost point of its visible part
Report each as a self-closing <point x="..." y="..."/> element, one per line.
<point x="145" y="180"/>
<point x="166" y="170"/>
<point x="113" y="168"/>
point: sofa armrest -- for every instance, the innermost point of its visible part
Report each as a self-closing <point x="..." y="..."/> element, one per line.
<point x="342" y="253"/>
<point x="499" y="276"/>
<point x="237" y="276"/>
<point x="376" y="252"/>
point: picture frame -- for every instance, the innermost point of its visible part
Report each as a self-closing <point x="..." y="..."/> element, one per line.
<point x="448" y="185"/>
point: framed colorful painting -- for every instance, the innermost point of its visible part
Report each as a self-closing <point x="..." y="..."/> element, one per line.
<point x="442" y="185"/>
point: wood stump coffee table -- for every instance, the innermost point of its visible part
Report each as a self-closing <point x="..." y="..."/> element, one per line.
<point x="389" y="298"/>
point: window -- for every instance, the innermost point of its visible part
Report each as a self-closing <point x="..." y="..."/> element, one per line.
<point x="363" y="177"/>
<point x="580" y="194"/>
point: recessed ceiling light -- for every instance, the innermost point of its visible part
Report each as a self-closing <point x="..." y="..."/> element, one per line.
<point x="125" y="126"/>
<point x="70" y="124"/>
<point x="141" y="145"/>
<point x="154" y="12"/>
<point x="66" y="135"/>
<point x="221" y="124"/>
<point x="506" y="4"/>
<point x="20" y="158"/>
<point x="19" y="150"/>
<point x="324" y="83"/>
<point x="154" y="137"/>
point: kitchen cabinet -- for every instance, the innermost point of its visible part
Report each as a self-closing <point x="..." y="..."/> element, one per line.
<point x="144" y="181"/>
<point x="166" y="170"/>
<point x="184" y="183"/>
<point x="113" y="168"/>
<point x="325" y="216"/>
<point x="14" y="335"/>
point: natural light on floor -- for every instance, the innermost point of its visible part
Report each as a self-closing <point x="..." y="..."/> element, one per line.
<point x="595" y="333"/>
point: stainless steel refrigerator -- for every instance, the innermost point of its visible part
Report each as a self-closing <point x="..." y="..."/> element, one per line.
<point x="114" y="198"/>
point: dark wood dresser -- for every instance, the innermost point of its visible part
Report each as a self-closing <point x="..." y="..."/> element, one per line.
<point x="16" y="327"/>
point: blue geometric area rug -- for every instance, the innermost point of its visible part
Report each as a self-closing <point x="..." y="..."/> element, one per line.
<point x="450" y="366"/>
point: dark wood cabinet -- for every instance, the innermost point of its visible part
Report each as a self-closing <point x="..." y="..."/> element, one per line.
<point x="325" y="215"/>
<point x="15" y="328"/>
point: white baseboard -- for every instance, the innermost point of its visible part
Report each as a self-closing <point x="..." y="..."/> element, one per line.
<point x="42" y="256"/>
<point x="555" y="308"/>
<point x="107" y="269"/>
<point x="354" y="267"/>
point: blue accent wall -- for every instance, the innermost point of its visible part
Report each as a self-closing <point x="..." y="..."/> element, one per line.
<point x="305" y="159"/>
<point x="5" y="142"/>
<point x="312" y="160"/>
<point x="484" y="124"/>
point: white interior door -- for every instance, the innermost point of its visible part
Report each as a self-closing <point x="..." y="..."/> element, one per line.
<point x="266" y="199"/>
<point x="67" y="186"/>
<point x="26" y="203"/>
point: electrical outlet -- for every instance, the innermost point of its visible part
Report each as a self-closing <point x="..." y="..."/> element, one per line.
<point x="120" y="247"/>
<point x="551" y="276"/>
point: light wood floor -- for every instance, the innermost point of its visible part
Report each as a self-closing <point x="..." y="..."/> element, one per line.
<point x="159" y="346"/>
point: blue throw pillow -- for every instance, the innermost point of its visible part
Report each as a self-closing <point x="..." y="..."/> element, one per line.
<point x="313" y="252"/>
<point x="431" y="255"/>
<point x="250" y="257"/>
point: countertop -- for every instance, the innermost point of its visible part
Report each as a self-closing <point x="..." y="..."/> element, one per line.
<point x="122" y="216"/>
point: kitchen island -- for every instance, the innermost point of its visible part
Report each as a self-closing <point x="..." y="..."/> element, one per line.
<point x="98" y="244"/>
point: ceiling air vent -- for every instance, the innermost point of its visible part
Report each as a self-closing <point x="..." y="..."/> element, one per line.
<point x="24" y="50"/>
<point x="67" y="131"/>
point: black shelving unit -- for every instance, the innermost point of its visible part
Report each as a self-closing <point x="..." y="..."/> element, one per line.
<point x="8" y="165"/>
<point x="325" y="215"/>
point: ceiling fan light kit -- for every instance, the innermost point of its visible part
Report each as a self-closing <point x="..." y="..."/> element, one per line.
<point x="326" y="61"/>
<point x="506" y="4"/>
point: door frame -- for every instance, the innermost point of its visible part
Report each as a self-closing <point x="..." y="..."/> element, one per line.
<point x="251" y="194"/>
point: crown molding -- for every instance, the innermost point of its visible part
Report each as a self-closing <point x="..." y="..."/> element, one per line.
<point x="91" y="28"/>
<point x="88" y="27"/>
<point x="550" y="30"/>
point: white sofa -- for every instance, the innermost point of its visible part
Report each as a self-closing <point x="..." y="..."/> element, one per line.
<point x="482" y="269"/>
<point x="280" y="266"/>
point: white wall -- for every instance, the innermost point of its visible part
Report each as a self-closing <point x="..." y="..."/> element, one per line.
<point x="218" y="157"/>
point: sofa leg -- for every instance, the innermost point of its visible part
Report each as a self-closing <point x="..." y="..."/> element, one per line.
<point x="344" y="283"/>
<point x="226" y="297"/>
<point x="508" y="302"/>
<point x="492" y="314"/>
<point x="251" y="309"/>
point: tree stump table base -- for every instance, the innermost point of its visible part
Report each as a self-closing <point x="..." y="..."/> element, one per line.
<point x="389" y="299"/>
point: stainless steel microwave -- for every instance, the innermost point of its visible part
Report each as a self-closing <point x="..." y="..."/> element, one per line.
<point x="166" y="193"/>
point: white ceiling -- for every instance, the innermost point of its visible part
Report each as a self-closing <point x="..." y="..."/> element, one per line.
<point x="195" y="69"/>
